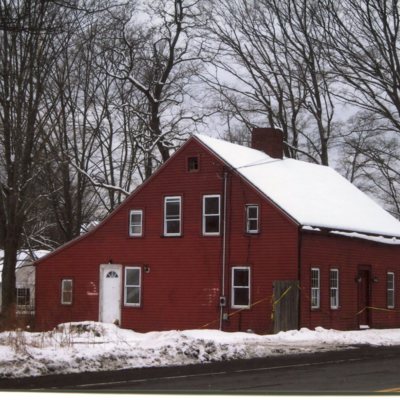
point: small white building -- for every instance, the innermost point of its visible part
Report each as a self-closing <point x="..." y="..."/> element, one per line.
<point x="25" y="279"/>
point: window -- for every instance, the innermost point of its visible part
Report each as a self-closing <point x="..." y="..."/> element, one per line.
<point x="23" y="297"/>
<point x="136" y="223"/>
<point x="252" y="219"/>
<point x="390" y="289"/>
<point x="240" y="287"/>
<point x="211" y="214"/>
<point x="192" y="164"/>
<point x="172" y="216"/>
<point x="132" y="286"/>
<point x="66" y="291"/>
<point x="334" y="288"/>
<point x="315" y="289"/>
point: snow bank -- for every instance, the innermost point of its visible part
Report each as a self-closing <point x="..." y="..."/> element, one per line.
<point x="94" y="346"/>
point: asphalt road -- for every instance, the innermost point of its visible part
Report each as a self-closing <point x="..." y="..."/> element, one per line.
<point x="361" y="370"/>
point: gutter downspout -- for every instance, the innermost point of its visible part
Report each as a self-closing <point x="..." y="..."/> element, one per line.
<point x="299" y="244"/>
<point x="223" y="297"/>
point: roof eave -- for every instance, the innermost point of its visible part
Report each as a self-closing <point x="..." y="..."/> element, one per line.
<point x="105" y="220"/>
<point x="307" y="228"/>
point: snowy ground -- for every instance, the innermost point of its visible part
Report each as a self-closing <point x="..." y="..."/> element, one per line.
<point x="93" y="346"/>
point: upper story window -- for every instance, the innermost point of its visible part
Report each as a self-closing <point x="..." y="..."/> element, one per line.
<point x="66" y="291"/>
<point x="193" y="164"/>
<point x="211" y="214"/>
<point x="172" y="215"/>
<point x="334" y="288"/>
<point x="315" y="288"/>
<point x="390" y="289"/>
<point x="136" y="223"/>
<point x="252" y="219"/>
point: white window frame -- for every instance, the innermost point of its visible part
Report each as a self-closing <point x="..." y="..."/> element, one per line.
<point x="390" y="289"/>
<point x="210" y="196"/>
<point x="64" y="291"/>
<point x="315" y="289"/>
<point x="131" y="233"/>
<point x="126" y="286"/>
<point x="334" y="288"/>
<point x="233" y="287"/>
<point x="175" y="218"/>
<point x="249" y="219"/>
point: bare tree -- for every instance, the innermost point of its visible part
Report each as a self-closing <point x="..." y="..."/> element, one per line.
<point x="269" y="50"/>
<point x="116" y="166"/>
<point x="362" y="42"/>
<point x="29" y="30"/>
<point x="91" y="154"/>
<point x="158" y="59"/>
<point x="370" y="158"/>
<point x="68" y="100"/>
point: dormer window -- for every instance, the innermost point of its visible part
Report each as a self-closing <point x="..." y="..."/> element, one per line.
<point x="193" y="164"/>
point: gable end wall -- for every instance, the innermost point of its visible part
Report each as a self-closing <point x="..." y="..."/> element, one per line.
<point x="183" y="285"/>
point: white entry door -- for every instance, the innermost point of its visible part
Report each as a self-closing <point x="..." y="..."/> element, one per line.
<point x="110" y="293"/>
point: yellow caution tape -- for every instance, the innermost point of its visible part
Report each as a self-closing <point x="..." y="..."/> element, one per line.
<point x="236" y="312"/>
<point x="274" y="303"/>
<point x="376" y="309"/>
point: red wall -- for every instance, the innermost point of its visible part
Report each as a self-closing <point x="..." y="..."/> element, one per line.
<point x="182" y="289"/>
<point x="347" y="254"/>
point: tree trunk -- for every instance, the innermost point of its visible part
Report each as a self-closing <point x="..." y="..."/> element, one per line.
<point x="8" y="295"/>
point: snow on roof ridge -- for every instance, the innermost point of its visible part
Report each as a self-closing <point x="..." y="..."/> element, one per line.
<point x="213" y="140"/>
<point x="309" y="193"/>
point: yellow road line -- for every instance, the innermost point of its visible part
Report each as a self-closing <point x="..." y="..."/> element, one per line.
<point x="392" y="390"/>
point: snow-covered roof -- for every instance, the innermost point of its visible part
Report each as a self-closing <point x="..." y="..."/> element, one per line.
<point x="311" y="194"/>
<point x="23" y="257"/>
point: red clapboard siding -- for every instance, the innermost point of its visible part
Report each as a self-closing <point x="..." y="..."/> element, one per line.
<point x="347" y="254"/>
<point x="182" y="287"/>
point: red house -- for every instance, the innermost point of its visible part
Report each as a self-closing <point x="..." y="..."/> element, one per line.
<point x="228" y="237"/>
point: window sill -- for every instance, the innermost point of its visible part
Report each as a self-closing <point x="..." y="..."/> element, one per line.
<point x="171" y="236"/>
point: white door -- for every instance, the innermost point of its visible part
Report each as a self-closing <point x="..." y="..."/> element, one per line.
<point x="110" y="293"/>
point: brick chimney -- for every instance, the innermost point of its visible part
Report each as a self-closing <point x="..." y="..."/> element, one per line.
<point x="268" y="140"/>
